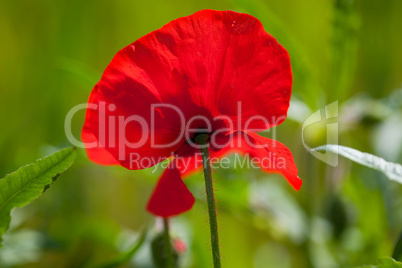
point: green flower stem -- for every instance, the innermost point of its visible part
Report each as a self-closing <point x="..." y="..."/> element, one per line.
<point x="202" y="139"/>
<point x="168" y="244"/>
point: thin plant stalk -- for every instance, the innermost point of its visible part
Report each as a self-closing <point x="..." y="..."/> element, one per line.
<point x="168" y="244"/>
<point x="202" y="139"/>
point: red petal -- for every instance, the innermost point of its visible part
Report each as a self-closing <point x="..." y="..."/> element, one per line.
<point x="272" y="156"/>
<point x="108" y="125"/>
<point x="193" y="63"/>
<point x="221" y="54"/>
<point x="171" y="196"/>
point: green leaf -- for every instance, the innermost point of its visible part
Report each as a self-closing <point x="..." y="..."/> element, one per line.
<point x="345" y="24"/>
<point x="387" y="262"/>
<point x="398" y="249"/>
<point x="392" y="170"/>
<point x="27" y="183"/>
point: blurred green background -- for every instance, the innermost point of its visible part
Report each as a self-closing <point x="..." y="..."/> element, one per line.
<point x="53" y="52"/>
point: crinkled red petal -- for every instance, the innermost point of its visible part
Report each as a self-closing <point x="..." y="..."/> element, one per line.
<point x="211" y="63"/>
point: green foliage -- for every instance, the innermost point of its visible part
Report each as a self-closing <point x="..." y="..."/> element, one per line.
<point x="345" y="24"/>
<point x="385" y="263"/>
<point x="54" y="52"/>
<point x="398" y="249"/>
<point x="29" y="182"/>
<point x="125" y="257"/>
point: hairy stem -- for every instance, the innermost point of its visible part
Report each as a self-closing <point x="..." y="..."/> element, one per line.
<point x="202" y="140"/>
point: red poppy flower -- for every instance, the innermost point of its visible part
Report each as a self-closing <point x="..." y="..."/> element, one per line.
<point x="214" y="72"/>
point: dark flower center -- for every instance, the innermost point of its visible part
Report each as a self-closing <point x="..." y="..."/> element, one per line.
<point x="201" y="138"/>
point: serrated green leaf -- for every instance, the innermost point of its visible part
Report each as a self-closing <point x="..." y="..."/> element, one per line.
<point x="392" y="170"/>
<point x="27" y="183"/>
